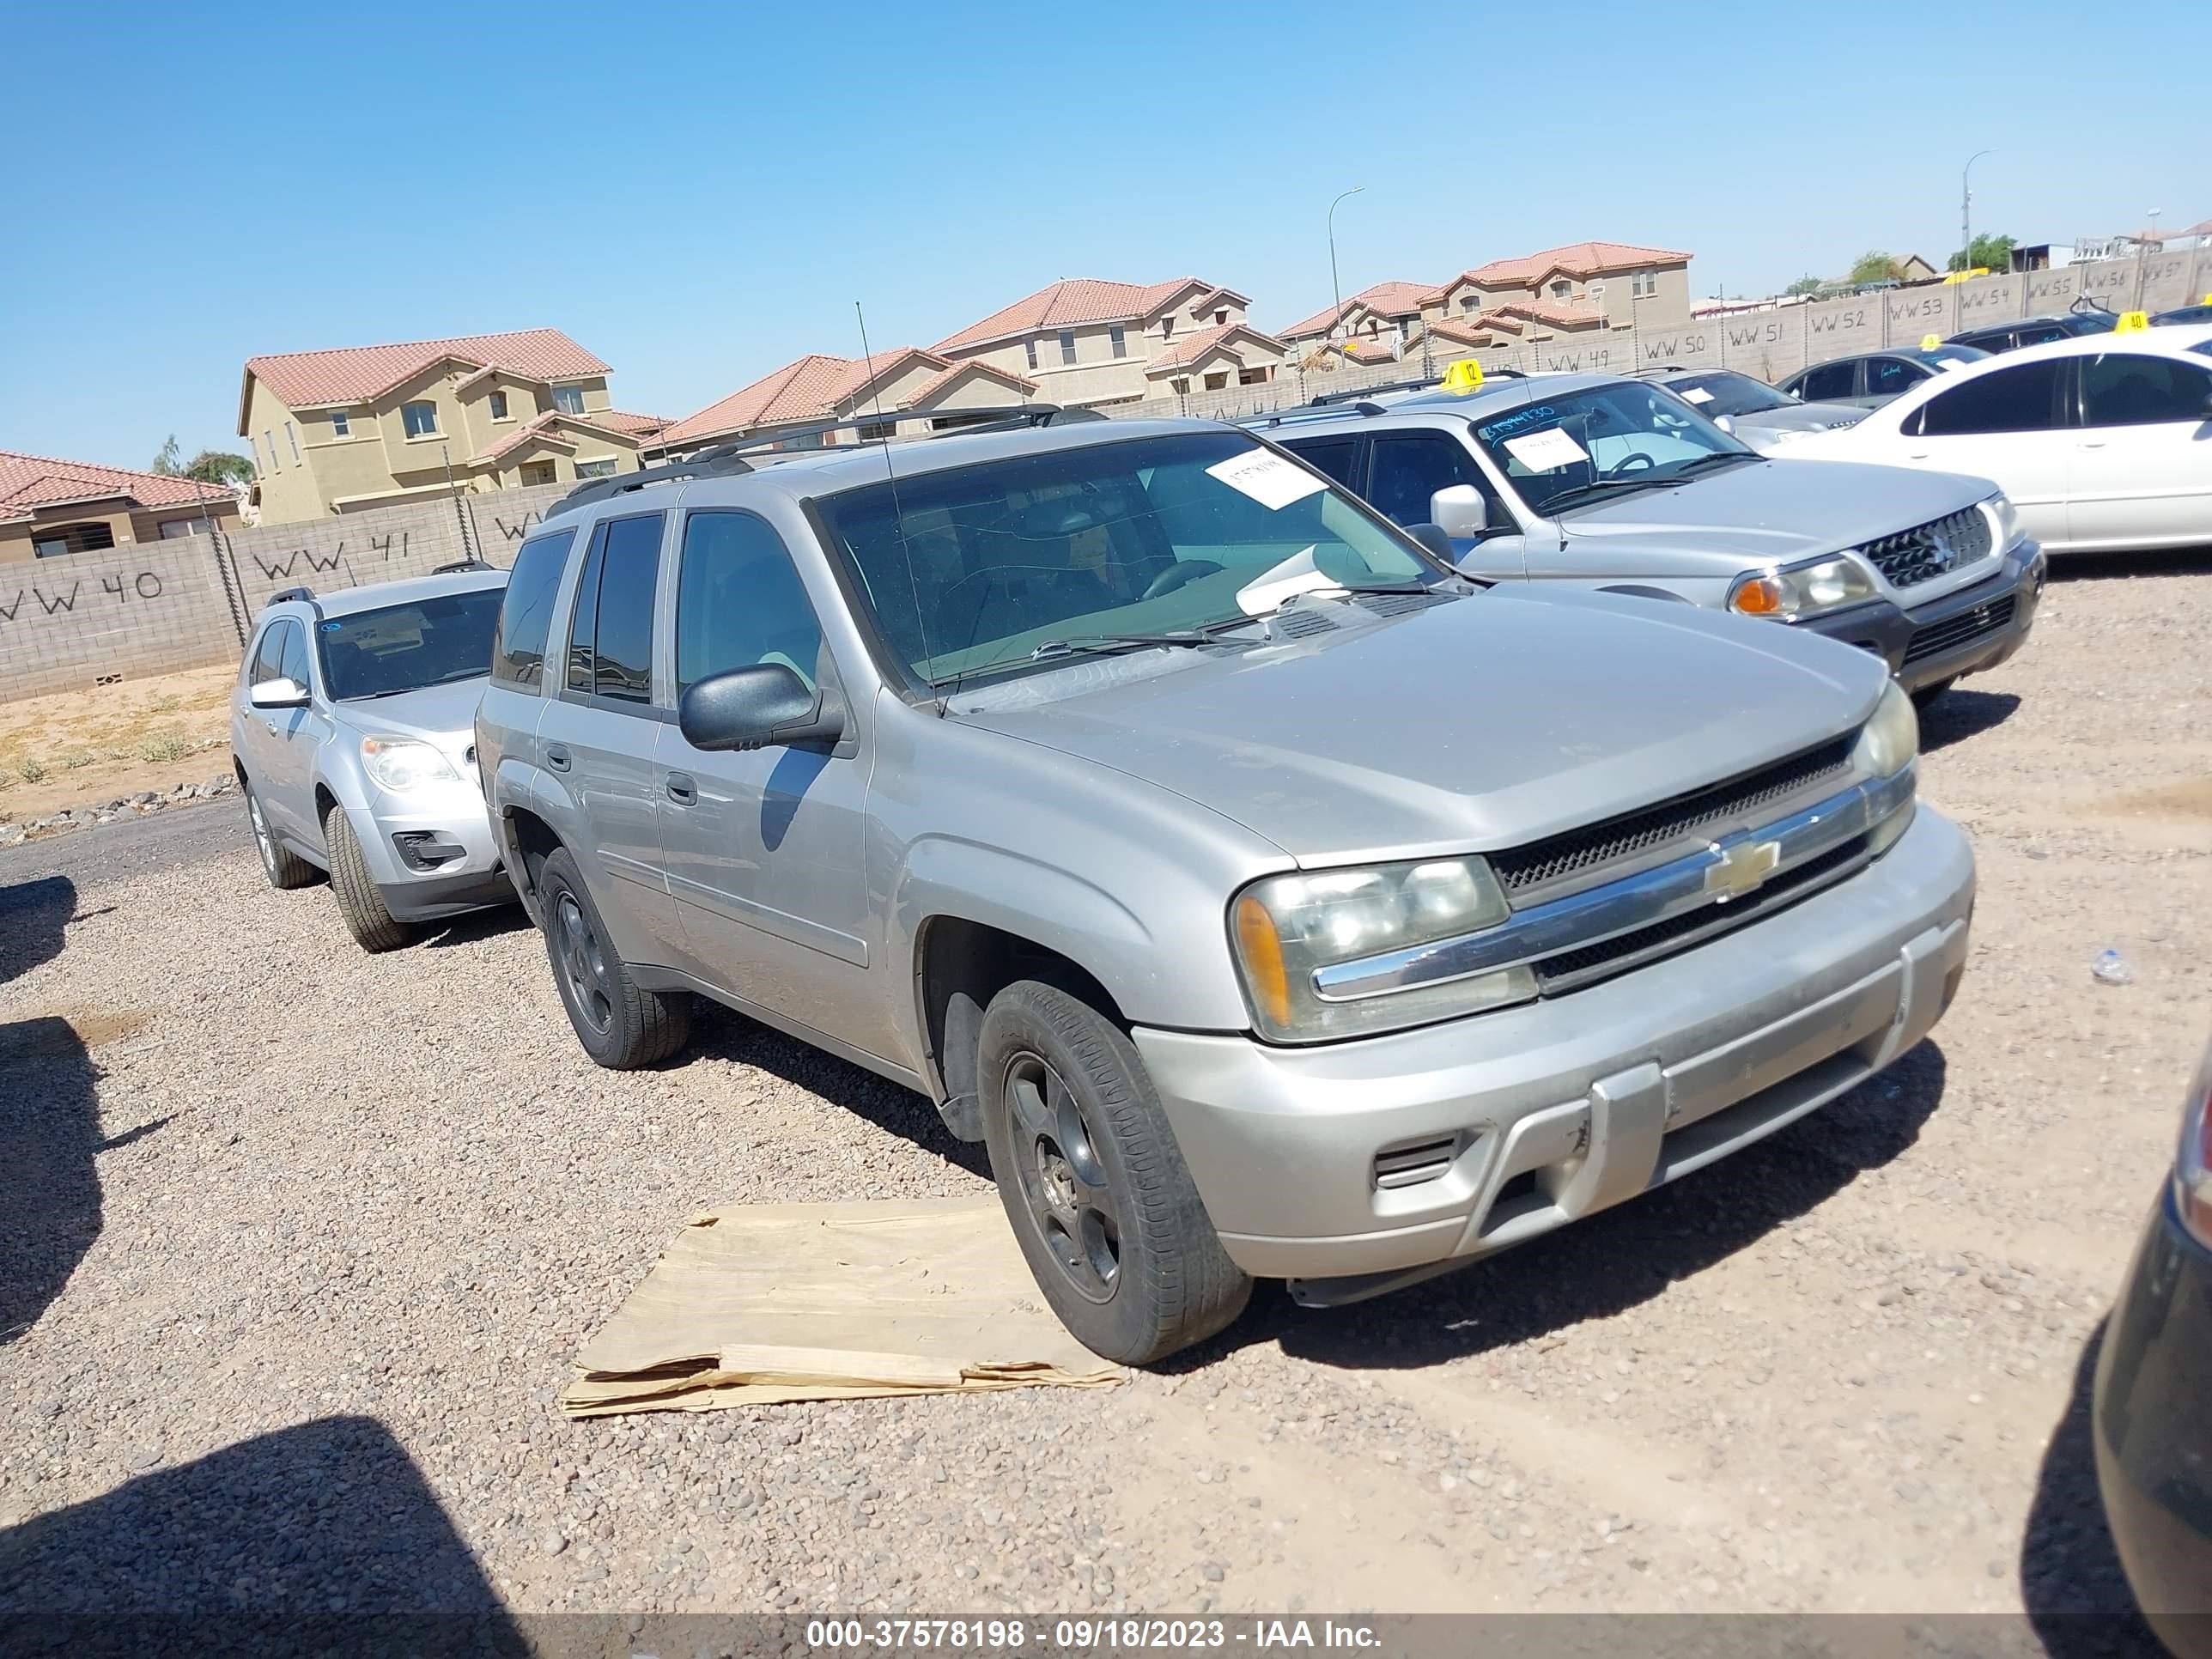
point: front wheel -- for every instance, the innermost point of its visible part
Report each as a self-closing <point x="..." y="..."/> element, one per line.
<point x="1100" y="1200"/>
<point x="359" y="903"/>
<point x="620" y="1025"/>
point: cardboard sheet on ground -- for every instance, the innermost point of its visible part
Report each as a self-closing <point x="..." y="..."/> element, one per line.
<point x="757" y="1304"/>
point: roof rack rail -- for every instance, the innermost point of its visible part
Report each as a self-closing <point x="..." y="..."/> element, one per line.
<point x="303" y="594"/>
<point x="459" y="565"/>
<point x="1367" y="392"/>
<point x="720" y="460"/>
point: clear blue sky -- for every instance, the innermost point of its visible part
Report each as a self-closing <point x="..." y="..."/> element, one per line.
<point x="699" y="198"/>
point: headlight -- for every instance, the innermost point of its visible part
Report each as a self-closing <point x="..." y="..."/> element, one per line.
<point x="1806" y="591"/>
<point x="2007" y="517"/>
<point x="2192" y="1166"/>
<point x="1286" y="926"/>
<point x="403" y="764"/>
<point x="1890" y="737"/>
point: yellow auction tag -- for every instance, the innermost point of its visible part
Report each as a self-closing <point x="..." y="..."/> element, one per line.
<point x="2132" y="322"/>
<point x="1930" y="341"/>
<point x="1465" y="375"/>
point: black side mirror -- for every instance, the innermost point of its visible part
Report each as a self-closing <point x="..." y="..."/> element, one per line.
<point x="754" y="707"/>
<point x="1433" y="537"/>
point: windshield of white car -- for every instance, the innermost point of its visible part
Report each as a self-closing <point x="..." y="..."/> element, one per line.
<point x="1629" y="433"/>
<point x="436" y="641"/>
<point x="974" y="569"/>
<point x="1726" y="393"/>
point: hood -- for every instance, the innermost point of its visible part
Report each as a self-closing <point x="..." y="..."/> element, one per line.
<point x="1775" y="510"/>
<point x="1802" y="417"/>
<point x="1471" y="726"/>
<point x="445" y="716"/>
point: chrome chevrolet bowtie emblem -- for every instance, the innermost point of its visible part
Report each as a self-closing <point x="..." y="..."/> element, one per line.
<point x="1738" y="869"/>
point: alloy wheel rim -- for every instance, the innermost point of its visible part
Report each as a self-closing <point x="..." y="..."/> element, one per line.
<point x="1063" y="1183"/>
<point x="260" y="826"/>
<point x="584" y="967"/>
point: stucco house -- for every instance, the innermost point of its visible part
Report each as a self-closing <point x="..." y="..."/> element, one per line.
<point x="1367" y="317"/>
<point x="337" y="431"/>
<point x="1089" y="342"/>
<point x="1581" y="286"/>
<point x="904" y="392"/>
<point x="50" y="507"/>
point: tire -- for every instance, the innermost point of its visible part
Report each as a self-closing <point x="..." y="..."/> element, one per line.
<point x="1928" y="694"/>
<point x="359" y="903"/>
<point x="620" y="1026"/>
<point x="285" y="868"/>
<point x="1093" y="1183"/>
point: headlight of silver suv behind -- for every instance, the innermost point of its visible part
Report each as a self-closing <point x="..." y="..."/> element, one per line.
<point x="1285" y="927"/>
<point x="1889" y="744"/>
<point x="1802" y="591"/>
<point x="404" y="763"/>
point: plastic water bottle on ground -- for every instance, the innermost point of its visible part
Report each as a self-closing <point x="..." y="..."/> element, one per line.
<point x="2112" y="968"/>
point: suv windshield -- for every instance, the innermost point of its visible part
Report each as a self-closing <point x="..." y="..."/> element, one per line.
<point x="404" y="647"/>
<point x="1580" y="446"/>
<point x="976" y="567"/>
<point x="1726" y="393"/>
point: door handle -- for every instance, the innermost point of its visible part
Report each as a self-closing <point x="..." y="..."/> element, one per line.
<point x="2092" y="443"/>
<point x="682" y="790"/>
<point x="557" y="757"/>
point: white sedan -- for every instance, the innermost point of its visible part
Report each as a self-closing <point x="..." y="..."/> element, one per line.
<point x="2104" y="442"/>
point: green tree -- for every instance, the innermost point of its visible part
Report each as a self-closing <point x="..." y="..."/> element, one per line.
<point x="220" y="466"/>
<point x="1989" y="252"/>
<point x="1876" y="266"/>
<point x="169" y="463"/>
<point x="1806" y="285"/>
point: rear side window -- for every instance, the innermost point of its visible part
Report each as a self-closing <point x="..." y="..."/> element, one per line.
<point x="1335" y="456"/>
<point x="2123" y="388"/>
<point x="2022" y="399"/>
<point x="1888" y="376"/>
<point x="610" y="638"/>
<point x="518" y="652"/>
<point x="740" y="602"/>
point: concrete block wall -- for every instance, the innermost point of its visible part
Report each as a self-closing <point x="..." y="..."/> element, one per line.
<point x="159" y="606"/>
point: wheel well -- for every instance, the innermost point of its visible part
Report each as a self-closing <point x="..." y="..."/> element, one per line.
<point x="533" y="839"/>
<point x="238" y="766"/>
<point x="960" y="966"/>
<point x="326" y="803"/>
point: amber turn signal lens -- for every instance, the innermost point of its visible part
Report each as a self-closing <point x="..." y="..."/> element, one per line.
<point x="1262" y="950"/>
<point x="1759" y="597"/>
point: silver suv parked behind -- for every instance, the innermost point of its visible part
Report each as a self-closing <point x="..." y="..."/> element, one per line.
<point x="1592" y="481"/>
<point x="1268" y="899"/>
<point x="351" y="729"/>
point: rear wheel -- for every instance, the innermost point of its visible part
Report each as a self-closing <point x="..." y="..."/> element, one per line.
<point x="622" y="1026"/>
<point x="1104" y="1210"/>
<point x="283" y="867"/>
<point x="359" y="903"/>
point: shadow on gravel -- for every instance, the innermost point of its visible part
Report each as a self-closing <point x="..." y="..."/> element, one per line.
<point x="320" y="1538"/>
<point x="49" y="1120"/>
<point x="1959" y="713"/>
<point x="2111" y="566"/>
<point x="726" y="1034"/>
<point x="1618" y="1258"/>
<point x="475" y="928"/>
<point x="2068" y="1567"/>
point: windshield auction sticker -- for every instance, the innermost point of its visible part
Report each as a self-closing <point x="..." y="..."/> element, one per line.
<point x="1697" y="394"/>
<point x="1267" y="479"/>
<point x="1546" y="452"/>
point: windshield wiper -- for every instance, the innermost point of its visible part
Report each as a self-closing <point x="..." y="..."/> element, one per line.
<point x="1086" y="642"/>
<point x="1599" y="490"/>
<point x="1717" y="456"/>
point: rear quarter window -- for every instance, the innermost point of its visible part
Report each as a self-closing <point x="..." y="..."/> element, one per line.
<point x="526" y="616"/>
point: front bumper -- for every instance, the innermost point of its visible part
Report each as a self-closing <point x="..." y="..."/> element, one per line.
<point x="2153" y="1430"/>
<point x="457" y="866"/>
<point x="1550" y="1111"/>
<point x="1965" y="632"/>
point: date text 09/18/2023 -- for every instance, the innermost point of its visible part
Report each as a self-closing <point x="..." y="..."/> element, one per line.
<point x="1085" y="1635"/>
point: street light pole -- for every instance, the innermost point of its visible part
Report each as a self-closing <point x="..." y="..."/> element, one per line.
<point x="1335" y="287"/>
<point x="1966" y="209"/>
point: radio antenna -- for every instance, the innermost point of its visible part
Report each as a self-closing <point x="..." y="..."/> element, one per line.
<point x="898" y="513"/>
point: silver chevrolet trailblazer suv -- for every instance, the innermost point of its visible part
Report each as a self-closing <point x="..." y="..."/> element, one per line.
<point x="1268" y="898"/>
<point x="1594" y="481"/>
<point x="352" y="729"/>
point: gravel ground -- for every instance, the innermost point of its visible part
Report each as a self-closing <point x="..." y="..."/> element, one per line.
<point x="309" y="1239"/>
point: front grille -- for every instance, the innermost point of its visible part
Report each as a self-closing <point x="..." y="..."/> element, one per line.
<point x="1955" y="631"/>
<point x="1619" y="846"/>
<point x="1931" y="549"/>
<point x="1571" y="970"/>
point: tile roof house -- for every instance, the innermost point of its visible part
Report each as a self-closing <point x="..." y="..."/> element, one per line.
<point x="49" y="508"/>
<point x="1231" y="354"/>
<point x="904" y="380"/>
<point x="1583" y="284"/>
<point x="334" y="431"/>
<point x="1372" y="313"/>
<point x="1090" y="343"/>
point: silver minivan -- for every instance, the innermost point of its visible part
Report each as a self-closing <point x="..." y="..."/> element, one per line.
<point x="1267" y="896"/>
